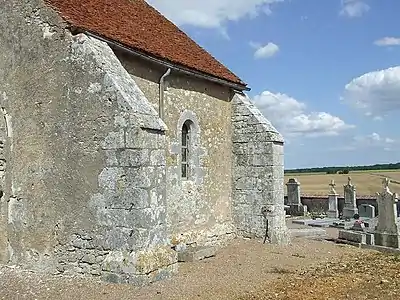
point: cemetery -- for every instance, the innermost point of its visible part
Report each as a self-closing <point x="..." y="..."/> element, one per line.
<point x="359" y="225"/>
<point x="135" y="165"/>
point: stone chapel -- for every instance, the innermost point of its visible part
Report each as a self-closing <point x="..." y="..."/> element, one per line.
<point x="123" y="142"/>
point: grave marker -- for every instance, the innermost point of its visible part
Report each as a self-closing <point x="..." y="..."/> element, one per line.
<point x="366" y="211"/>
<point x="333" y="211"/>
<point x="350" y="202"/>
<point x="387" y="229"/>
<point x="294" y="199"/>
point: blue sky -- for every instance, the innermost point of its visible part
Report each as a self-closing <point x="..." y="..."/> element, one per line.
<point x="325" y="73"/>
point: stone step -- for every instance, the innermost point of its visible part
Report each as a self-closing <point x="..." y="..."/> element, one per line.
<point x="195" y="254"/>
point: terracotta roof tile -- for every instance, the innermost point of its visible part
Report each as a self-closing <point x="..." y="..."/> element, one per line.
<point x="139" y="26"/>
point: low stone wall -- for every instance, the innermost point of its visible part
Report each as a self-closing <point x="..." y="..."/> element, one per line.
<point x="320" y="203"/>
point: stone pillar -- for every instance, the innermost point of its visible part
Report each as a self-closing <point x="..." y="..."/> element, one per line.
<point x="294" y="198"/>
<point x="350" y="202"/>
<point x="387" y="229"/>
<point x="333" y="211"/>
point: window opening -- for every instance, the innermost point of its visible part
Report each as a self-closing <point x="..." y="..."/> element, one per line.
<point x="185" y="150"/>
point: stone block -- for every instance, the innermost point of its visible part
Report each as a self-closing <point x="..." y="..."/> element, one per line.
<point x="109" y="177"/>
<point x="133" y="157"/>
<point x="366" y="211"/>
<point x="195" y="254"/>
<point x="157" y="158"/>
<point x="352" y="236"/>
<point x="297" y="209"/>
<point x="136" y="218"/>
<point x="154" y="260"/>
<point x="307" y="232"/>
<point x="349" y="212"/>
<point x="370" y="238"/>
<point x="114" y="140"/>
<point x="129" y="197"/>
<point x="139" y="138"/>
<point x="246" y="183"/>
<point x="111" y="158"/>
<point x="387" y="239"/>
<point x="343" y="224"/>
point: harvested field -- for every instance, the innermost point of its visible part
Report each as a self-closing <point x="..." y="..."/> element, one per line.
<point x="366" y="182"/>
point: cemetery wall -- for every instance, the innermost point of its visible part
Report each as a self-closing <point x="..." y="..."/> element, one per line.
<point x="321" y="203"/>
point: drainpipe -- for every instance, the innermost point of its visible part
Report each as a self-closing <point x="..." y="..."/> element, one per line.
<point x="161" y="99"/>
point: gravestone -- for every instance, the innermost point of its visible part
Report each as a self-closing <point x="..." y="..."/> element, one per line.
<point x="350" y="203"/>
<point x="366" y="211"/>
<point x="387" y="229"/>
<point x="293" y="197"/>
<point x="333" y="211"/>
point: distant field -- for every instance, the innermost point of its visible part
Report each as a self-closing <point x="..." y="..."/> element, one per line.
<point x="366" y="182"/>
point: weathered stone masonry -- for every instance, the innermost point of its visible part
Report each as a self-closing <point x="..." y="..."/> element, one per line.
<point x="86" y="190"/>
<point x="258" y="174"/>
<point x="199" y="208"/>
<point x="91" y="175"/>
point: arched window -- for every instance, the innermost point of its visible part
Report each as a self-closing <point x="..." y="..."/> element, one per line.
<point x="185" y="149"/>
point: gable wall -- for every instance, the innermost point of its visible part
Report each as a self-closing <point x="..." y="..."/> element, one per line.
<point x="198" y="210"/>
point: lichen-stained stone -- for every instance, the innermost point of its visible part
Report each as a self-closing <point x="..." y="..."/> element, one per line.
<point x="199" y="208"/>
<point x="85" y="154"/>
<point x="94" y="180"/>
<point x="258" y="176"/>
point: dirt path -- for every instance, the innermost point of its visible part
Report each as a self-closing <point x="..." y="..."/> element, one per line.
<point x="246" y="269"/>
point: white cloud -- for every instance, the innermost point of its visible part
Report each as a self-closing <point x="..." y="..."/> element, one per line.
<point x="354" y="8"/>
<point x="373" y="140"/>
<point x="376" y="93"/>
<point x="266" y="51"/>
<point x="292" y="119"/>
<point x="211" y="13"/>
<point x="389" y="140"/>
<point x="387" y="41"/>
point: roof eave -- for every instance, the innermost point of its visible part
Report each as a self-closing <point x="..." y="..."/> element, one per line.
<point x="173" y="66"/>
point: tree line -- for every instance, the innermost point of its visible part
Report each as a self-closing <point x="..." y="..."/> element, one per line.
<point x="345" y="169"/>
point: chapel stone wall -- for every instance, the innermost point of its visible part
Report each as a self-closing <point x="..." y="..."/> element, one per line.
<point x="199" y="207"/>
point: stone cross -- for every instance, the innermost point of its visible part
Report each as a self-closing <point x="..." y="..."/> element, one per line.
<point x="385" y="183"/>
<point x="349" y="181"/>
<point x="350" y="200"/>
<point x="332" y="185"/>
<point x="387" y="229"/>
<point x="333" y="211"/>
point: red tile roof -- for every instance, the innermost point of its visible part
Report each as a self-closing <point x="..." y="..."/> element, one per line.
<point x="136" y="24"/>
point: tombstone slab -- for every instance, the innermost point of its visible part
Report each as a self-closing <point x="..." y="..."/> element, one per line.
<point x="350" y="202"/>
<point x="333" y="211"/>
<point x="387" y="229"/>
<point x="357" y="237"/>
<point x="294" y="198"/>
<point x="366" y="211"/>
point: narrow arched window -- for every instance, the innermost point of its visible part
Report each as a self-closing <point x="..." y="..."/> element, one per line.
<point x="185" y="149"/>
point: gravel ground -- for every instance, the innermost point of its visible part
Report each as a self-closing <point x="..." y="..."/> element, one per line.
<point x="246" y="269"/>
